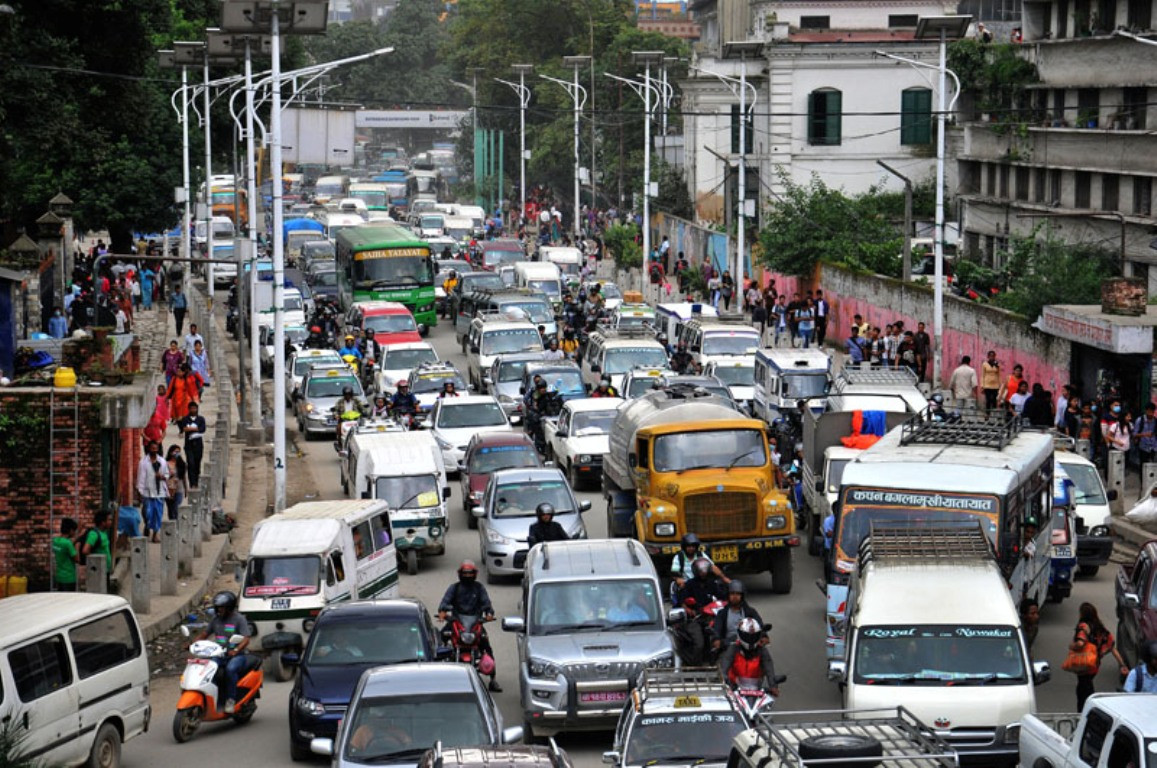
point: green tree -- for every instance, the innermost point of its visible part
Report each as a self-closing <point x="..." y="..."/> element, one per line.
<point x="1049" y="271"/>
<point x="674" y="197"/>
<point x="622" y="242"/>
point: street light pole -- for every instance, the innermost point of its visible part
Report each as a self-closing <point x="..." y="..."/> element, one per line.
<point x="742" y="48"/>
<point x="647" y="58"/>
<point x="208" y="180"/>
<point x="579" y="95"/>
<point x="522" y="70"/>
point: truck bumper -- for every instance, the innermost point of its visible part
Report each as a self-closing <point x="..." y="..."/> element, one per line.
<point x="1094" y="550"/>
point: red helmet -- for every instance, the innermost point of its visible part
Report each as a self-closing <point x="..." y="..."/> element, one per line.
<point x="315" y="329"/>
<point x="467" y="570"/>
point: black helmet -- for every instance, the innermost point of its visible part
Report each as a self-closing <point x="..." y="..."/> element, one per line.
<point x="1149" y="652"/>
<point x="690" y="540"/>
<point x="736" y="588"/>
<point x="938" y="398"/>
<point x="347" y="391"/>
<point x="544" y="509"/>
<point x="701" y="567"/>
<point x="224" y="602"/>
<point x="467" y="571"/>
<point x="369" y="333"/>
<point x="748" y="634"/>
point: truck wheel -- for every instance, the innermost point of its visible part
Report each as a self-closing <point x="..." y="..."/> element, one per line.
<point x="815" y="545"/>
<point x="781" y="571"/>
<point x="106" y="749"/>
<point x="1088" y="570"/>
<point x="837" y="745"/>
<point x="572" y="476"/>
<point x="412" y="562"/>
<point x="278" y="669"/>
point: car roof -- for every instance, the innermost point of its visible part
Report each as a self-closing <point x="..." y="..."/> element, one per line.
<point x="487" y="439"/>
<point x="468" y="400"/>
<point x="526" y="475"/>
<point x="586" y="404"/>
<point x="403" y="345"/>
<point x="27" y="616"/>
<point x="612" y="558"/>
<point x="427" y="677"/>
<point x="398" y="606"/>
<point x="381" y="307"/>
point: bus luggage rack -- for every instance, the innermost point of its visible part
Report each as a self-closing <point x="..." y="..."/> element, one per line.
<point x="876" y="375"/>
<point x="925" y="543"/>
<point x="629" y="332"/>
<point x="965" y="426"/>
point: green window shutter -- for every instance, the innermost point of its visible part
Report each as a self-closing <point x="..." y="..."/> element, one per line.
<point x="734" y="129"/>
<point x="813" y="136"/>
<point x="916" y="116"/>
<point x="834" y="121"/>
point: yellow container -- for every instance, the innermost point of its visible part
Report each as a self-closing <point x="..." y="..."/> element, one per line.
<point x="3" y="586"/>
<point x="65" y="377"/>
<point x="17" y="585"/>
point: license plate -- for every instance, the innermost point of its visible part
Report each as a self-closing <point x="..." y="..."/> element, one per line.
<point x="279" y="604"/>
<point x="727" y="554"/>
<point x="1063" y="553"/>
<point x="331" y="422"/>
<point x="601" y="697"/>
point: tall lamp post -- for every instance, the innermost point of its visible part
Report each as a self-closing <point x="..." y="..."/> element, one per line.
<point x="647" y="59"/>
<point x="522" y="70"/>
<point x="189" y="54"/>
<point x="741" y="50"/>
<point x="579" y="95"/>
<point x="942" y="28"/>
<point x="167" y="60"/>
<point x="292" y="17"/>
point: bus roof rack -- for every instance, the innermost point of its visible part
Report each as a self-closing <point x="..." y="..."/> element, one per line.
<point x="967" y="426"/>
<point x="878" y="375"/>
<point x="687" y="680"/>
<point x="628" y="332"/>
<point x="914" y="543"/>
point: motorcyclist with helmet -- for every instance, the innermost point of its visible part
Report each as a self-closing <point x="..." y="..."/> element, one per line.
<point x="727" y="621"/>
<point x="690" y="549"/>
<point x="403" y="403"/>
<point x="681" y="360"/>
<point x="349" y="348"/>
<point x="696" y="594"/>
<point x="316" y="339"/>
<point x="747" y="662"/>
<point x="371" y="348"/>
<point x="604" y="389"/>
<point x="227" y="621"/>
<point x="349" y="408"/>
<point x="380" y="408"/>
<point x="545" y="529"/>
<point x="569" y="344"/>
<point x="448" y="286"/>
<point x="467" y="597"/>
<point x="936" y="410"/>
<point x="662" y="339"/>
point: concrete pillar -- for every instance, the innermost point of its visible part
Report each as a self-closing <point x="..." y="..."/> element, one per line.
<point x="1085" y="449"/>
<point x="195" y="526"/>
<point x="139" y="573"/>
<point x="96" y="574"/>
<point x="185" y="541"/>
<point x="169" y="542"/>
<point x="207" y="522"/>
<point x="1116" y="481"/>
<point x="1148" y="478"/>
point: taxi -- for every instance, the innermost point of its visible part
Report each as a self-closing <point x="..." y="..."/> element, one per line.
<point x="320" y="391"/>
<point x="677" y="717"/>
<point x="633" y="316"/>
<point x="640" y="381"/>
<point x="299" y="364"/>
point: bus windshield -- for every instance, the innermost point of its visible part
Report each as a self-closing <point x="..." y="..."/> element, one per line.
<point x="939" y="655"/>
<point x="372" y="197"/>
<point x="268" y="576"/>
<point x="404" y="271"/>
<point x="863" y="506"/>
<point x="549" y="287"/>
<point x="682" y="451"/>
<point x="730" y="343"/>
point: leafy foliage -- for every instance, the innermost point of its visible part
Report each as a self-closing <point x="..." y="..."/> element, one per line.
<point x="622" y="242"/>
<point x="995" y="74"/>
<point x="12" y="746"/>
<point x="812" y="222"/>
<point x="674" y="197"/>
<point x="1049" y="271"/>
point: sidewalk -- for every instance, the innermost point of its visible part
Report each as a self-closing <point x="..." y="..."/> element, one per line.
<point x="155" y="329"/>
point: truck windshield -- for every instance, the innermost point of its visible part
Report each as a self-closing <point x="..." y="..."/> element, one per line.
<point x="549" y="287"/>
<point x="708" y="450"/>
<point x="593" y="606"/>
<point x="1088" y="484"/>
<point x="678" y="738"/>
<point x="512" y="340"/>
<point x="271" y="576"/>
<point x="801" y="385"/>
<point x="408" y="491"/>
<point x="730" y="343"/>
<point x="939" y="655"/>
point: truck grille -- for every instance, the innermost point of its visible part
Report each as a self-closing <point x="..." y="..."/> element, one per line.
<point x="729" y="513"/>
<point x="603" y="670"/>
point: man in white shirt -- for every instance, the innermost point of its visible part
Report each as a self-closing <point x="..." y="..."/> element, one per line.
<point x="963" y="384"/>
<point x="191" y="339"/>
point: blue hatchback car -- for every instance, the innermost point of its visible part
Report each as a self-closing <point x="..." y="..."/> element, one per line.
<point x="348" y="639"/>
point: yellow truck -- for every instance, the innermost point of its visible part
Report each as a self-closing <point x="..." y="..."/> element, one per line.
<point x="684" y="461"/>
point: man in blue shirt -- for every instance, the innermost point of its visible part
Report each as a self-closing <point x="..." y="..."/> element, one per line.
<point x="350" y="348"/>
<point x="1143" y="678"/>
<point x="853" y="347"/>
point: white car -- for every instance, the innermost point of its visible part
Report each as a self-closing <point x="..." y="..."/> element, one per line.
<point x="399" y="359"/>
<point x="581" y="437"/>
<point x="295" y="336"/>
<point x="455" y="420"/>
<point x="302" y="361"/>
<point x="739" y="376"/>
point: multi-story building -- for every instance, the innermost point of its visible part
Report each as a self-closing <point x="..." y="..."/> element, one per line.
<point x="1079" y="156"/>
<point x="827" y="103"/>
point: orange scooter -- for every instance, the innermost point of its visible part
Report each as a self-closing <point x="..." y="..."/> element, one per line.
<point x="200" y="701"/>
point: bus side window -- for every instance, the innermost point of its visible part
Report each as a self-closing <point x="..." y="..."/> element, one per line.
<point x="363" y="543"/>
<point x="381" y="527"/>
<point x="334" y="570"/>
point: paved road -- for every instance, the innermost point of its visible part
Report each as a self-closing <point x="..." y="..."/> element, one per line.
<point x="797" y="641"/>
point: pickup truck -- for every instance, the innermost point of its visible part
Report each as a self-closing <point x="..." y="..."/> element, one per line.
<point x="800" y="739"/>
<point x="1137" y="603"/>
<point x="1116" y="729"/>
<point x="579" y="437"/>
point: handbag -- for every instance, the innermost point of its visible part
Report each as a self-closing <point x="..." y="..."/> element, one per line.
<point x="1084" y="661"/>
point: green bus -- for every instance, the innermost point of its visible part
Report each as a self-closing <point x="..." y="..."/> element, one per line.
<point x="386" y="263"/>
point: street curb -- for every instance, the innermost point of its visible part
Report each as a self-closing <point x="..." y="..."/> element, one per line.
<point x="162" y="624"/>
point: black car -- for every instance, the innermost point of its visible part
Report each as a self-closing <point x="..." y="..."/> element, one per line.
<point x="348" y="639"/>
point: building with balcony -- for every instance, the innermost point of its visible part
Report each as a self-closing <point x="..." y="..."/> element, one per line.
<point x="1078" y="158"/>
<point x="827" y="104"/>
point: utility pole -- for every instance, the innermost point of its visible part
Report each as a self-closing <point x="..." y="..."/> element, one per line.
<point x="907" y="252"/>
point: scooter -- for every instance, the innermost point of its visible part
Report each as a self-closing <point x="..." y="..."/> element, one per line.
<point x="464" y="634"/>
<point x="752" y="699"/>
<point x="200" y="685"/>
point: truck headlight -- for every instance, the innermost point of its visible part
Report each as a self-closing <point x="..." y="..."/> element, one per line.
<point x="1099" y="530"/>
<point x="425" y="308"/>
<point x="663" y="660"/>
<point x="494" y="537"/>
<point x="584" y="458"/>
<point x="664" y="529"/>
<point x="310" y="707"/>
<point x="775" y="522"/>
<point x="542" y="669"/>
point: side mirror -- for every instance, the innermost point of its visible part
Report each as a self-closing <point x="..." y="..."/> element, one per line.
<point x="837" y="671"/>
<point x="474" y="348"/>
<point x="478" y="512"/>
<point x="322" y="747"/>
<point x="513" y="624"/>
<point x="512" y="735"/>
<point x="1041" y="672"/>
<point x="445" y="493"/>
<point x="676" y="616"/>
<point x="596" y="369"/>
<point x="611" y="758"/>
<point x="584" y="506"/>
<point x="560" y="433"/>
<point x="1131" y="600"/>
<point x="462" y="466"/>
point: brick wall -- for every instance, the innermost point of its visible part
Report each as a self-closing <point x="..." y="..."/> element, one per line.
<point x="26" y="527"/>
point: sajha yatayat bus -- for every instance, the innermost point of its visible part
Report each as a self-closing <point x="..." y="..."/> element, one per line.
<point x="387" y="263"/>
<point x="927" y="472"/>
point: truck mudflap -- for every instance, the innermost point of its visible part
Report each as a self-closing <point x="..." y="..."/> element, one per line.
<point x="1093" y="551"/>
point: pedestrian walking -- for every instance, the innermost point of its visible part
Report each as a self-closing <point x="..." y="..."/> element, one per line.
<point x="65" y="557"/>
<point x="1038" y="409"/>
<point x="171" y="360"/>
<point x="98" y="541"/>
<point x="147" y="276"/>
<point x="990" y="381"/>
<point x="177" y="483"/>
<point x="1143" y="677"/>
<point x="726" y="289"/>
<point x="153" y="488"/>
<point x="135" y="290"/>
<point x="191" y="338"/>
<point x="179" y="303"/>
<point x="891" y="346"/>
<point x="1012" y="385"/>
<point x="58" y="324"/>
<point x="759" y="315"/>
<point x="962" y="384"/>
<point x="822" y="309"/>
<point x="1063" y="404"/>
<point x="923" y="351"/>
<point x="183" y="390"/>
<point x="665" y="254"/>
<point x="193" y="427"/>
<point x="793" y="307"/>
<point x="714" y="285"/>
<point x="806" y="322"/>
<point x="780" y="319"/>
<point x="199" y="363"/>
<point x="1090" y="629"/>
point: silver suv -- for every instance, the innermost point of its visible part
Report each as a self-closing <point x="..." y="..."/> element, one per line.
<point x="592" y="622"/>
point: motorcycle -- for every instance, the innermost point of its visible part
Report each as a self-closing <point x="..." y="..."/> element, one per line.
<point x="352" y="362"/>
<point x="201" y="683"/>
<point x="753" y="699"/>
<point x="464" y="635"/>
<point x="368" y="383"/>
<point x="681" y="634"/>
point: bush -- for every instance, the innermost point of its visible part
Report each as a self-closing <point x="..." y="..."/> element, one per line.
<point x="621" y="242"/>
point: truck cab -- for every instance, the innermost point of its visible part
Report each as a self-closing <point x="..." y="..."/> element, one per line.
<point x="1116" y="729"/>
<point x="783" y="377"/>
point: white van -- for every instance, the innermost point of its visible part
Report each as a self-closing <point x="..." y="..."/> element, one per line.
<point x="783" y="377"/>
<point x="460" y="229"/>
<point x="710" y="340"/>
<point x="669" y="318"/>
<point x="931" y="621"/>
<point x="74" y="677"/>
<point x="1090" y="508"/>
<point x="570" y="260"/>
<point x="543" y="277"/>
<point x="476" y="214"/>
<point x="310" y="555"/>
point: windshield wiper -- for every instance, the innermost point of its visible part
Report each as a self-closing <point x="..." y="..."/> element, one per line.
<point x="394" y="757"/>
<point x="291" y="590"/>
<point x="639" y="623"/>
<point x="975" y="679"/>
<point x="744" y="455"/>
<point x="696" y="466"/>
<point x="575" y="627"/>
